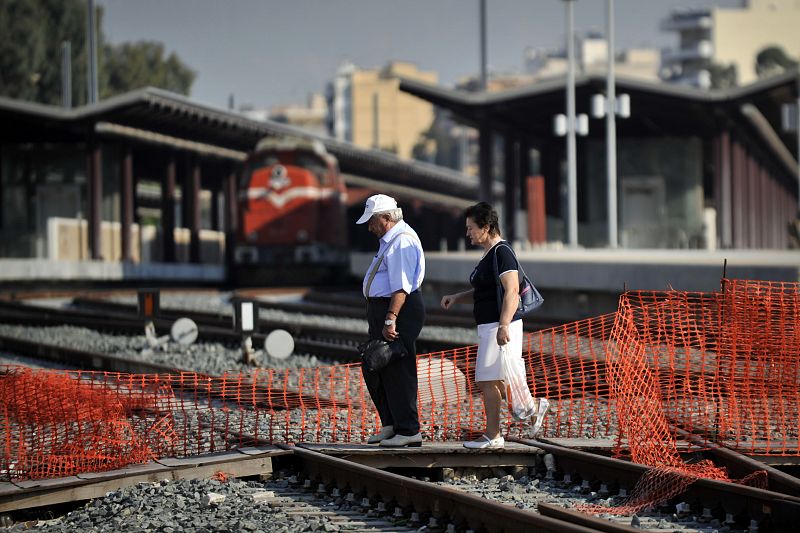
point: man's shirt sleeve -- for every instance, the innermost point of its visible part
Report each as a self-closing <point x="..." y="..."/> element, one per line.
<point x="401" y="263"/>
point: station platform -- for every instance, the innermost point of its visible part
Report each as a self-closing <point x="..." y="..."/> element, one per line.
<point x="43" y="270"/>
<point x="582" y="283"/>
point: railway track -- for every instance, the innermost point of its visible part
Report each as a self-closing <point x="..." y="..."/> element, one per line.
<point x="315" y="336"/>
<point x="441" y="508"/>
<point x="724" y="501"/>
<point x="311" y="485"/>
<point x="353" y="497"/>
<point x="123" y="319"/>
<point x="252" y="393"/>
<point x="735" y="506"/>
<point x="347" y="306"/>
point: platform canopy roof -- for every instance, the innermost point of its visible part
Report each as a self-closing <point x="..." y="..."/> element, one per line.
<point x="168" y="115"/>
<point x="656" y="108"/>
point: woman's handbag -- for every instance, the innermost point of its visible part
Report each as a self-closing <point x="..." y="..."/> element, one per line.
<point x="376" y="354"/>
<point x="520" y="401"/>
<point x="529" y="297"/>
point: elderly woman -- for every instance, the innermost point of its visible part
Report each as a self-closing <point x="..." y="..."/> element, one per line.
<point x="499" y="326"/>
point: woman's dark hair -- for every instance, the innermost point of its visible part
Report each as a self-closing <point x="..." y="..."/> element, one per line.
<point x="483" y="215"/>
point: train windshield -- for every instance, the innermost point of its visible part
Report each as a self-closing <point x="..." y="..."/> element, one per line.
<point x="315" y="164"/>
<point x="308" y="160"/>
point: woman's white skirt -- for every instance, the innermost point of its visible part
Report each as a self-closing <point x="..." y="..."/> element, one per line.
<point x="488" y="365"/>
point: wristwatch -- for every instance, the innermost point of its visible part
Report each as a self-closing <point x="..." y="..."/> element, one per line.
<point x="388" y="322"/>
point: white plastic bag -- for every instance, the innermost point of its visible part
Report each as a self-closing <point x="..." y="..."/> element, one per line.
<point x="520" y="402"/>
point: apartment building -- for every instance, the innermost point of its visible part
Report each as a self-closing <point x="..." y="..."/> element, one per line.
<point x="367" y="108"/>
<point x="729" y="36"/>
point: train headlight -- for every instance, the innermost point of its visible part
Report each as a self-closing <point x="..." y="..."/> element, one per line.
<point x="302" y="235"/>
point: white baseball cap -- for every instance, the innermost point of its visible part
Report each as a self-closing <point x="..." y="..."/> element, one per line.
<point x="377" y="203"/>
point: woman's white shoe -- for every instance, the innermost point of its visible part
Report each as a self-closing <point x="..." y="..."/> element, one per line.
<point x="485" y="443"/>
<point x="541" y="410"/>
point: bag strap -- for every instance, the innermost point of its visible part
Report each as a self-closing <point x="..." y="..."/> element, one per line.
<point x="520" y="274"/>
<point x="377" y="265"/>
<point x="520" y="271"/>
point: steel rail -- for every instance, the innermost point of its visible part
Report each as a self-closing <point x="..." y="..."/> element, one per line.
<point x="81" y="358"/>
<point x="780" y="509"/>
<point x="128" y="323"/>
<point x="740" y="465"/>
<point x="300" y="331"/>
<point x="448" y="505"/>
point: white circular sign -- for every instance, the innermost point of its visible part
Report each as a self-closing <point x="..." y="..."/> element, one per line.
<point x="184" y="331"/>
<point x="279" y="344"/>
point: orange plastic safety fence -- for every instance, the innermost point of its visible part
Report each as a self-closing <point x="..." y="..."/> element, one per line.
<point x="714" y="367"/>
<point x="703" y="367"/>
<point x="55" y="425"/>
<point x="759" y="368"/>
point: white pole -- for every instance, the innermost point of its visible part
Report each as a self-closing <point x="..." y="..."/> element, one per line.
<point x="484" y="75"/>
<point x="572" y="179"/>
<point x="611" y="133"/>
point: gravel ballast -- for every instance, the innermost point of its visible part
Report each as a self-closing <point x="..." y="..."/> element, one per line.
<point x="284" y="506"/>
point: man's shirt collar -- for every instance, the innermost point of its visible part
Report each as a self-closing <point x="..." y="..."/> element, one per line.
<point x="397" y="228"/>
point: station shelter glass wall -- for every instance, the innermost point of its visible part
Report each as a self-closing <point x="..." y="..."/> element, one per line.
<point x="660" y="195"/>
<point x="42" y="181"/>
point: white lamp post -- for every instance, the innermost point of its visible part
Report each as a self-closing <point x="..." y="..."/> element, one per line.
<point x="610" y="106"/>
<point x="611" y="130"/>
<point x="563" y="126"/>
<point x="572" y="172"/>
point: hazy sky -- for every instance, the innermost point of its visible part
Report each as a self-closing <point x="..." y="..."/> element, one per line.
<point x="269" y="52"/>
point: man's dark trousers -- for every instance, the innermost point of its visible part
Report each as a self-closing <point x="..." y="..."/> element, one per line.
<point x="394" y="388"/>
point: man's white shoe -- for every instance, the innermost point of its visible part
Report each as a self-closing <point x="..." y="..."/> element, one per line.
<point x="386" y="432"/>
<point x="398" y="441"/>
<point x="541" y="410"/>
<point x="485" y="443"/>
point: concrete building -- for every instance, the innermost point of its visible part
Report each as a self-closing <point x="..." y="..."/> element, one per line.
<point x="367" y="108"/>
<point x="591" y="58"/>
<point x="726" y="36"/>
<point x="310" y="117"/>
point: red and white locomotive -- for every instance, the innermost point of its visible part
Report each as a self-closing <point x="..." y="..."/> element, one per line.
<point x="292" y="207"/>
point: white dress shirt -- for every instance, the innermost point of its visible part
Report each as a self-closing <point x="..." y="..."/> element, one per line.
<point x="403" y="265"/>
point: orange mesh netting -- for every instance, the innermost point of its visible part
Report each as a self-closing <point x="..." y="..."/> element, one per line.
<point x="54" y="425"/>
<point x="718" y="367"/>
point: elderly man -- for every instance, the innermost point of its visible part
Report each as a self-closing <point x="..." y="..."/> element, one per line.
<point x="394" y="309"/>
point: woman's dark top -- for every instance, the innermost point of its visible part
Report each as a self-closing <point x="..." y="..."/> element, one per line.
<point x="484" y="282"/>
